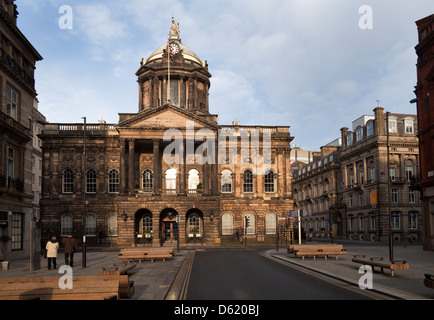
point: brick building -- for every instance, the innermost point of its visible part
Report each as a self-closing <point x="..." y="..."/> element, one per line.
<point x="170" y="169"/>
<point x="425" y="114"/>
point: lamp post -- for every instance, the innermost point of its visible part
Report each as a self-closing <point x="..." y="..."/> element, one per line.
<point x="388" y="190"/>
<point x="84" y="195"/>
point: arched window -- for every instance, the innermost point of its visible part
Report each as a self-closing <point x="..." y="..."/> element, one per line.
<point x="226" y="183"/>
<point x="227" y="224"/>
<point x="147" y="180"/>
<point x="147" y="224"/>
<point x="194" y="224"/>
<point x="112" y="225"/>
<point x="91" y="181"/>
<point x="248" y="181"/>
<point x="270" y="223"/>
<point x="113" y="181"/>
<point x="193" y="180"/>
<point x="90" y="225"/>
<point x="171" y="181"/>
<point x="68" y="181"/>
<point x="251" y="229"/>
<point x="269" y="181"/>
<point x="66" y="224"/>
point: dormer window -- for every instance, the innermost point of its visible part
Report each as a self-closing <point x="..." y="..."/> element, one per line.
<point x="392" y="125"/>
<point x="349" y="139"/>
<point x="409" y="125"/>
<point x="370" y="128"/>
<point x="359" y="134"/>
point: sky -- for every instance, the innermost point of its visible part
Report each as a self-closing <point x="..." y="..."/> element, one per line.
<point x="312" y="65"/>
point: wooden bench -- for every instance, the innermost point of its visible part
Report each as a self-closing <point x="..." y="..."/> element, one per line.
<point x="317" y="250"/>
<point x="48" y="289"/>
<point x="125" y="287"/>
<point x="117" y="270"/>
<point x="140" y="254"/>
<point x="379" y="262"/>
<point x="429" y="280"/>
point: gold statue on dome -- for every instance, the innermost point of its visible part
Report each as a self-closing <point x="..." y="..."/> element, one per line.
<point x="174" y="30"/>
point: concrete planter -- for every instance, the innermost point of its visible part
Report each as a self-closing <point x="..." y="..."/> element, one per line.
<point x="5" y="265"/>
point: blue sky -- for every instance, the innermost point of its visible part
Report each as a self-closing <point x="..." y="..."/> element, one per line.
<point x="306" y="64"/>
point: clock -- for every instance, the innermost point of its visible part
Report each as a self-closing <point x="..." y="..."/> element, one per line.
<point x="174" y="47"/>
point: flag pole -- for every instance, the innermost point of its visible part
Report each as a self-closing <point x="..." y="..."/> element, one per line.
<point x="168" y="71"/>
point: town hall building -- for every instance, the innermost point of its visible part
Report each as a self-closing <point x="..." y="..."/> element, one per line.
<point x="168" y="172"/>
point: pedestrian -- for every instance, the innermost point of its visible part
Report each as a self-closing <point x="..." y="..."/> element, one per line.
<point x="70" y="247"/>
<point x="52" y="247"/>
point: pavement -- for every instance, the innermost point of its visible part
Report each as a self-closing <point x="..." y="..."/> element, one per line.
<point x="168" y="280"/>
<point x="405" y="284"/>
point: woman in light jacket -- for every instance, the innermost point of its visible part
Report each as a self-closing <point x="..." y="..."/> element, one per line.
<point x="52" y="247"/>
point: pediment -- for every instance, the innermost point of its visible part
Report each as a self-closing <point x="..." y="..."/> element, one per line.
<point x="166" y="117"/>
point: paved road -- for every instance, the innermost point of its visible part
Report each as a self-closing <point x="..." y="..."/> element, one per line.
<point x="244" y="274"/>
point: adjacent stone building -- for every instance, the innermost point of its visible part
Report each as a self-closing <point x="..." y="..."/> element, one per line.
<point x="169" y="171"/>
<point x="348" y="193"/>
<point x="17" y="113"/>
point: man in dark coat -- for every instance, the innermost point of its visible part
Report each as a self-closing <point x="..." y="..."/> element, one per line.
<point x="70" y="247"/>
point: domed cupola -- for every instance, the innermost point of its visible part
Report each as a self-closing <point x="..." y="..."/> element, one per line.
<point x="174" y="68"/>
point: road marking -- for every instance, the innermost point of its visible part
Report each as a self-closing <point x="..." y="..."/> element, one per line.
<point x="184" y="288"/>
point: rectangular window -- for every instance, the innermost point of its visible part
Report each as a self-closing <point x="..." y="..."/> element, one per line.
<point x="349" y="139"/>
<point x="408" y="126"/>
<point x="373" y="223"/>
<point x="372" y="174"/>
<point x="362" y="222"/>
<point x="409" y="172"/>
<point x="412" y="221"/>
<point x="392" y="125"/>
<point x="359" y="134"/>
<point x="11" y="103"/>
<point x="412" y="196"/>
<point x="392" y="174"/>
<point x="351" y="223"/>
<point x="11" y="162"/>
<point x="396" y="221"/>
<point x="394" y="195"/>
<point x="17" y="231"/>
<point x="370" y="129"/>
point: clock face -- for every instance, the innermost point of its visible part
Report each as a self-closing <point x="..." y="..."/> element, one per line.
<point x="174" y="48"/>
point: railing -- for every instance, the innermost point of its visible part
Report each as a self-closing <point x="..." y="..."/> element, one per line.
<point x="11" y="183"/>
<point x="79" y="127"/>
<point x="20" y="72"/>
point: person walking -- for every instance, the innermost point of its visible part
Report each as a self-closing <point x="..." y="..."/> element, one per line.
<point x="70" y="247"/>
<point x="52" y="247"/>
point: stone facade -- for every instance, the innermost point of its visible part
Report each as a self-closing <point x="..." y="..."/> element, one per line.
<point x="347" y="190"/>
<point x="18" y="97"/>
<point x="169" y="171"/>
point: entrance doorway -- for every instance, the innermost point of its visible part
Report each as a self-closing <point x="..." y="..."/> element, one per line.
<point x="169" y="225"/>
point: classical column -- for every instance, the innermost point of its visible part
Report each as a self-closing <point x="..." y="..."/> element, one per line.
<point x="131" y="152"/>
<point x="123" y="171"/>
<point x="182" y="170"/>
<point x="157" y="166"/>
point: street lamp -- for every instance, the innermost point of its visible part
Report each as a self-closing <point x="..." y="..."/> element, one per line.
<point x="84" y="195"/>
<point x="388" y="190"/>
